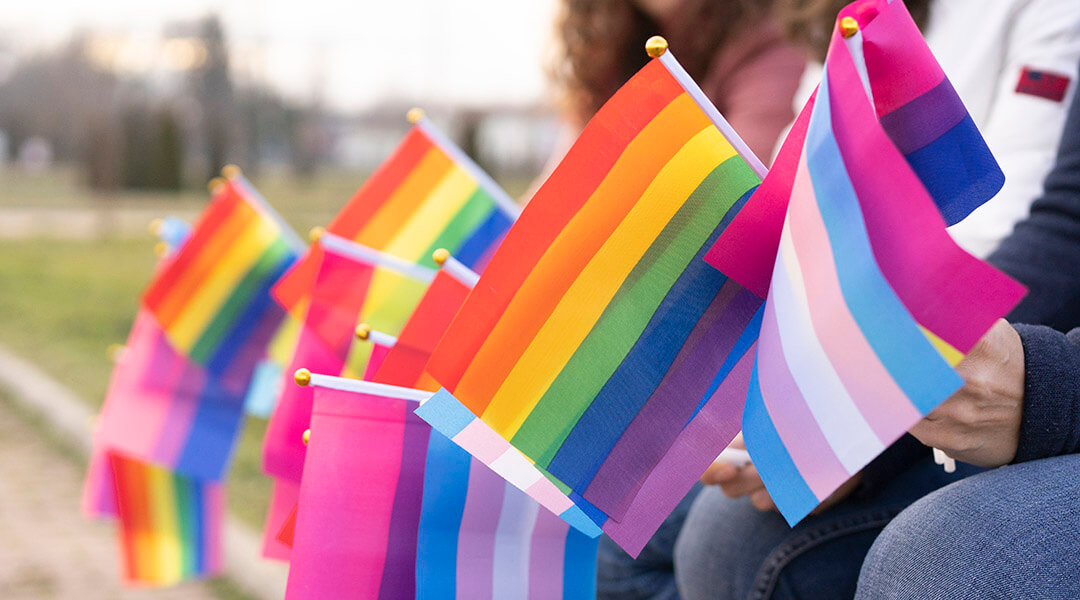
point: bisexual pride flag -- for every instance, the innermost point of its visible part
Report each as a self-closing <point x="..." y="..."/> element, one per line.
<point x="870" y="302"/>
<point x="597" y="332"/>
<point x="921" y="115"/>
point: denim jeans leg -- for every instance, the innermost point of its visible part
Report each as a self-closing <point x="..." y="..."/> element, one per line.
<point x="652" y="574"/>
<point x="729" y="549"/>
<point x="1012" y="532"/>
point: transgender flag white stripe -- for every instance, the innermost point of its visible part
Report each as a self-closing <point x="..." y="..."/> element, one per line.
<point x="516" y="523"/>
<point x="839" y="419"/>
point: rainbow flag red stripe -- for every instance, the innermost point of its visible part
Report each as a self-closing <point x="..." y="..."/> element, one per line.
<point x="595" y="331"/>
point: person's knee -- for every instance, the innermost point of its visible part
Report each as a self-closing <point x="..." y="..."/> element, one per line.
<point x="718" y="553"/>
<point x="979" y="537"/>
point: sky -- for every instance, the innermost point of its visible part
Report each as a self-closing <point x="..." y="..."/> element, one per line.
<point x="350" y="54"/>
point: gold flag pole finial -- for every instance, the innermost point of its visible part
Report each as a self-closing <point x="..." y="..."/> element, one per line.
<point x="307" y="436"/>
<point x="363" y="331"/>
<point x="231" y="172"/>
<point x="656" y="46"/>
<point x="848" y="27"/>
<point x="215" y="185"/>
<point x="161" y="249"/>
<point x="415" y="115"/>
<point x="113" y="352"/>
<point x="302" y="377"/>
<point x="155" y="226"/>
<point x="440" y="256"/>
<point x="315" y="234"/>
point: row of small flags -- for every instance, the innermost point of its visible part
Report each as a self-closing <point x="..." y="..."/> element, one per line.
<point x="468" y="394"/>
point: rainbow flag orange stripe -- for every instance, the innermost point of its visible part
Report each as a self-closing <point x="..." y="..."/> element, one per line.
<point x="597" y="323"/>
<point x="170" y="525"/>
<point x="427" y="195"/>
<point x="212" y="298"/>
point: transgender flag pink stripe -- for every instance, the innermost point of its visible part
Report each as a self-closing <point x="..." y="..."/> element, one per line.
<point x="798" y="429"/>
<point x="880" y="400"/>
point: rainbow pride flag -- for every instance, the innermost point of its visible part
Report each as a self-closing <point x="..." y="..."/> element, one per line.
<point x="427" y="195"/>
<point x="595" y="332"/>
<point x="212" y="298"/>
<point x="870" y="302"/>
<point x="170" y="526"/>
<point x="921" y="114"/>
<point x="414" y="516"/>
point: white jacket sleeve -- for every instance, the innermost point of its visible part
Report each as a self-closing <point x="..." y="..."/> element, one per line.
<point x="1023" y="130"/>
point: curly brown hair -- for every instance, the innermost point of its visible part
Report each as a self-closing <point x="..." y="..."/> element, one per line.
<point x="810" y="22"/>
<point x="602" y="43"/>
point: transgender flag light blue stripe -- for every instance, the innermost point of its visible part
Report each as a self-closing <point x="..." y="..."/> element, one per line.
<point x="911" y="360"/>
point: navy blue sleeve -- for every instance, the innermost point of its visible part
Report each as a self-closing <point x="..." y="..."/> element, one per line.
<point x="1043" y="252"/>
<point x="1050" y="425"/>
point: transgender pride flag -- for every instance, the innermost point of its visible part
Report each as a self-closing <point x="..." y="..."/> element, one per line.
<point x="870" y="302"/>
<point x="920" y="113"/>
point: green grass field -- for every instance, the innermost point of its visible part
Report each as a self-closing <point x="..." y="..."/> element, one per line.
<point x="62" y="304"/>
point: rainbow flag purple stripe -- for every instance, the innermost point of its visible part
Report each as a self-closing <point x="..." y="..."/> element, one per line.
<point x="870" y="304"/>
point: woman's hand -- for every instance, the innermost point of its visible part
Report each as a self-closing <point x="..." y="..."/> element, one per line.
<point x="980" y="424"/>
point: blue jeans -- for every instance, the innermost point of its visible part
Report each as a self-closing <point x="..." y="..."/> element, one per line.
<point x="1012" y="532"/>
<point x="729" y="549"/>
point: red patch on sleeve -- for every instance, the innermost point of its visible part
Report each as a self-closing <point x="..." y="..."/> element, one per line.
<point x="1043" y="84"/>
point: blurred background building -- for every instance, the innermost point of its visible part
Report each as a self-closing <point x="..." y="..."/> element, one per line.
<point x="133" y="95"/>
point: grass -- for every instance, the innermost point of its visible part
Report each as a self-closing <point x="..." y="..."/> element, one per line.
<point x="63" y="302"/>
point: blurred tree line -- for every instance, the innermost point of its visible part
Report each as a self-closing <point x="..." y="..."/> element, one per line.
<point x="131" y="132"/>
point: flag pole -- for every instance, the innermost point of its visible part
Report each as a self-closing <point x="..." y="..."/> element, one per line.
<point x="366" y="333"/>
<point x="234" y="174"/>
<point x="657" y="47"/>
<point x="348" y="248"/>
<point x="455" y="268"/>
<point x="506" y="204"/>
<point x="304" y="377"/>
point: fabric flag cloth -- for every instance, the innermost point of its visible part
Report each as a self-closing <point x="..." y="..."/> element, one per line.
<point x="405" y="363"/>
<point x="414" y="516"/>
<point x="870" y="302"/>
<point x="667" y="484"/>
<point x="212" y="298"/>
<point x="920" y="113"/>
<point x="164" y="409"/>
<point x="596" y="332"/>
<point x="401" y="364"/>
<point x="326" y="344"/>
<point x="170" y="525"/>
<point x="427" y="195"/>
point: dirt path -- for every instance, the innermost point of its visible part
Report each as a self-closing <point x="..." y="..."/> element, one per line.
<point x="47" y="550"/>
